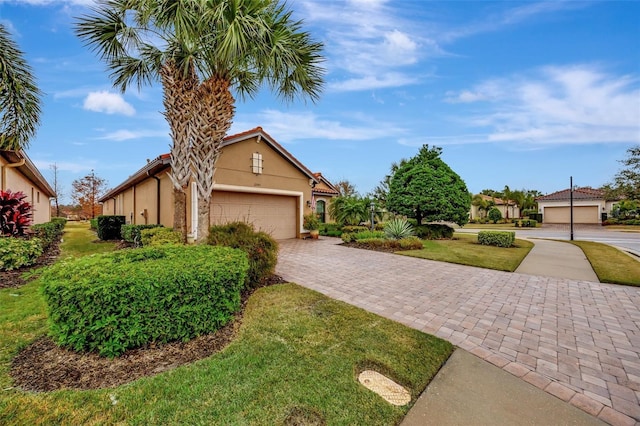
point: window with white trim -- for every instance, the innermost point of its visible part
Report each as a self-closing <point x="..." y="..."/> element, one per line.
<point x="256" y="163"/>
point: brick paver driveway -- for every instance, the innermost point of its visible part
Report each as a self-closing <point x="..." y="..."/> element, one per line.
<point x="579" y="341"/>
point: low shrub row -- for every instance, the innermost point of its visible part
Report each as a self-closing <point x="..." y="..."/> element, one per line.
<point x="525" y="223"/>
<point x="350" y="237"/>
<point x="614" y="221"/>
<point x="497" y="238"/>
<point x="18" y="252"/>
<point x="159" y="236"/>
<point x="409" y="243"/>
<point x="49" y="232"/>
<point x="109" y="227"/>
<point x="330" y="229"/>
<point x="126" y="299"/>
<point x="131" y="233"/>
<point x="260" y="247"/>
<point x="352" y="229"/>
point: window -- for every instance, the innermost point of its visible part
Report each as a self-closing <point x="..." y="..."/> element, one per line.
<point x="38" y="196"/>
<point x="320" y="211"/>
<point x="256" y="163"/>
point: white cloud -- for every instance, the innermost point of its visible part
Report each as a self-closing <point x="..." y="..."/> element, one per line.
<point x="125" y="135"/>
<point x="371" y="82"/>
<point x="65" y="166"/>
<point x="558" y="105"/>
<point x="291" y="127"/>
<point x="110" y="103"/>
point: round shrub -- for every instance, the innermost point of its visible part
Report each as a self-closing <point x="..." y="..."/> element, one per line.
<point x="18" y="252"/>
<point x="261" y="248"/>
<point x="117" y="301"/>
<point x="494" y="215"/>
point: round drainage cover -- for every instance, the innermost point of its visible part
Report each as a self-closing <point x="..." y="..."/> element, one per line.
<point x="385" y="387"/>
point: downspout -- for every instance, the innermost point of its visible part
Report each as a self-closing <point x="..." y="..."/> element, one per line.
<point x="4" y="171"/>
<point x="157" y="198"/>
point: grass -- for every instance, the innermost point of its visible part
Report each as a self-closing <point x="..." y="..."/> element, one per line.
<point x="610" y="264"/>
<point x="79" y="240"/>
<point x="297" y="352"/>
<point x="465" y="250"/>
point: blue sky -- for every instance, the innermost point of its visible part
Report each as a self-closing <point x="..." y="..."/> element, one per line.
<point x="516" y="93"/>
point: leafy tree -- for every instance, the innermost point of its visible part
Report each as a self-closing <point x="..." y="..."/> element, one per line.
<point x="346" y="188"/>
<point x="381" y="192"/>
<point x="86" y="192"/>
<point x="425" y="187"/>
<point x="203" y="50"/>
<point x="19" y="96"/>
<point x="627" y="181"/>
<point x="494" y="215"/>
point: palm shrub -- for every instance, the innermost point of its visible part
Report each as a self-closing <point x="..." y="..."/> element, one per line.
<point x="15" y="213"/>
<point x="261" y="248"/>
<point x="398" y="228"/>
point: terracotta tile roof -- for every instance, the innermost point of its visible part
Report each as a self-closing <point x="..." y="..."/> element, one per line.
<point x="585" y="193"/>
<point x="332" y="189"/>
<point x="163" y="161"/>
<point x="325" y="191"/>
<point x="497" y="201"/>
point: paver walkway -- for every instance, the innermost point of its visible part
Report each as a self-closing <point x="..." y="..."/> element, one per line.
<point x="577" y="340"/>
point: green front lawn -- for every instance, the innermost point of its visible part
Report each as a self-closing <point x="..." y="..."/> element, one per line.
<point x="610" y="264"/>
<point x="465" y="250"/>
<point x="78" y="240"/>
<point x="296" y="351"/>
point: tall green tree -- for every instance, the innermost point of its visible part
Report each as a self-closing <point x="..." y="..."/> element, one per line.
<point x="627" y="181"/>
<point x="425" y="188"/>
<point x="381" y="191"/>
<point x="203" y="51"/>
<point x="19" y="96"/>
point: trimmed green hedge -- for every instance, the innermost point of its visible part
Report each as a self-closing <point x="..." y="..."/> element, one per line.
<point x="18" y="252"/>
<point x="93" y="224"/>
<point x="261" y="248"/>
<point x="131" y="233"/>
<point x="433" y="231"/>
<point x="117" y="301"/>
<point x="497" y="238"/>
<point x="160" y="236"/>
<point x="525" y="223"/>
<point x="49" y="232"/>
<point x="349" y="237"/>
<point x="109" y="227"/>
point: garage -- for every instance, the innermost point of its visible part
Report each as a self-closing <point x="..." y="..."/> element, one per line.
<point x="273" y="214"/>
<point x="581" y="214"/>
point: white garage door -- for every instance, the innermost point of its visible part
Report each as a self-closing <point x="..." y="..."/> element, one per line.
<point x="581" y="214"/>
<point x="273" y="214"/>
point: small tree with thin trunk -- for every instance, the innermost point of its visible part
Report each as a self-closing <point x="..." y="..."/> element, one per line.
<point x="57" y="187"/>
<point x="86" y="192"/>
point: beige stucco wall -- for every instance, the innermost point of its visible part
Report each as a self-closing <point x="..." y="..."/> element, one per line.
<point x="514" y="211"/>
<point x="14" y="180"/>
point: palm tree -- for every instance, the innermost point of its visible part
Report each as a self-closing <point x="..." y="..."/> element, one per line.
<point x="208" y="49"/>
<point x="19" y="96"/>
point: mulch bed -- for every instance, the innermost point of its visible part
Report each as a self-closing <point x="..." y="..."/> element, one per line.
<point x="43" y="366"/>
<point x="12" y="279"/>
<point x="371" y="248"/>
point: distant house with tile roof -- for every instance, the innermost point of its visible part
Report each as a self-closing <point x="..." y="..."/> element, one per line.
<point x="509" y="210"/>
<point x="256" y="181"/>
<point x="589" y="204"/>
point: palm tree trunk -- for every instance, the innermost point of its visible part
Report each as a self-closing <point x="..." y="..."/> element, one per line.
<point x="178" y="103"/>
<point x="213" y="118"/>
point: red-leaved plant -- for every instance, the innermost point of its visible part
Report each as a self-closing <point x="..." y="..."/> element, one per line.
<point x="15" y="213"/>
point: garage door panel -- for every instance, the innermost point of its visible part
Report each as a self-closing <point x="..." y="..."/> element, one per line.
<point x="273" y="214"/>
<point x="581" y="214"/>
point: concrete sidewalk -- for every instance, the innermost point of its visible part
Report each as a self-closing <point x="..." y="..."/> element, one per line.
<point x="468" y="390"/>
<point x="557" y="259"/>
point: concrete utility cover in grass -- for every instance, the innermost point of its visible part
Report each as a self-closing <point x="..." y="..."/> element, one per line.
<point x="385" y="387"/>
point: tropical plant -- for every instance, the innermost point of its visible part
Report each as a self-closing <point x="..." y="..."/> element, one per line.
<point x="310" y="222"/>
<point x="482" y="204"/>
<point x="494" y="215"/>
<point x="203" y="51"/>
<point x="398" y="228"/>
<point x="425" y="187"/>
<point x="350" y="210"/>
<point x="19" y="96"/>
<point x="15" y="213"/>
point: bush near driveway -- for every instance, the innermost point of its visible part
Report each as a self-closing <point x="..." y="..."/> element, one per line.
<point x="117" y="301"/>
<point x="497" y="238"/>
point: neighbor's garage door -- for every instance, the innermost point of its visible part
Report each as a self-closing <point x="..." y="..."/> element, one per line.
<point x="581" y="214"/>
<point x="274" y="214"/>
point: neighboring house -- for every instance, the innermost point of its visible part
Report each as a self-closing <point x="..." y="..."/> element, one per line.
<point x="588" y="206"/>
<point x="321" y="196"/>
<point x="256" y="181"/>
<point x="18" y="173"/>
<point x="510" y="210"/>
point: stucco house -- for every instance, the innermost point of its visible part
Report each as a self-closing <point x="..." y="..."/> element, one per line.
<point x="18" y="173"/>
<point x="588" y="206"/>
<point x="321" y="196"/>
<point x="256" y="181"/>
<point x="509" y="210"/>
